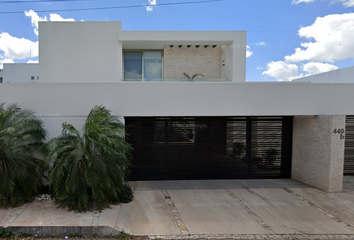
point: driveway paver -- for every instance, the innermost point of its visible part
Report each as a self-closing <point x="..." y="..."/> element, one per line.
<point x="148" y="214"/>
<point x="46" y="213"/>
<point x="213" y="212"/>
<point x="201" y="208"/>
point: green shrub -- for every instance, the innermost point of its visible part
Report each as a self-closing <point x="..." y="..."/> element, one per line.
<point x="123" y="235"/>
<point x="127" y="194"/>
<point x="21" y="142"/>
<point x="88" y="169"/>
<point x="22" y="234"/>
<point x="75" y="235"/>
<point x="4" y="233"/>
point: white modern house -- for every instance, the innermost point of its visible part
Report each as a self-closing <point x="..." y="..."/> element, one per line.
<point x="215" y="126"/>
<point x="19" y="73"/>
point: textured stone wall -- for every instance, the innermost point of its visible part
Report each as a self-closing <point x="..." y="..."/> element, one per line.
<point x="318" y="152"/>
<point x="206" y="61"/>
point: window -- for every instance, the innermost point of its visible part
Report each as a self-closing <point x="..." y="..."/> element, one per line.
<point x="32" y="77"/>
<point x="0" y="79"/>
<point x="143" y="65"/>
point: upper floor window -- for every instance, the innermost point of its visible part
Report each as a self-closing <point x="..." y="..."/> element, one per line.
<point x="142" y="65"/>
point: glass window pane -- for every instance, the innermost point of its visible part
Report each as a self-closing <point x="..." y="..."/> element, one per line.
<point x="133" y="65"/>
<point x="152" y="65"/>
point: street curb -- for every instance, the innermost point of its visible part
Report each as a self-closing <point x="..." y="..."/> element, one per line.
<point x="103" y="231"/>
<point x="64" y="230"/>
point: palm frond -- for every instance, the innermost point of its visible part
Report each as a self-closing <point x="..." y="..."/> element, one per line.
<point x="187" y="76"/>
<point x="88" y="168"/>
<point x="21" y="145"/>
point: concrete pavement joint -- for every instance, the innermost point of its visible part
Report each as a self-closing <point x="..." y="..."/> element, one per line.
<point x="258" y="195"/>
<point x="250" y="212"/>
<point x="182" y="226"/>
<point x="96" y="219"/>
<point x="319" y="208"/>
<point x="15" y="215"/>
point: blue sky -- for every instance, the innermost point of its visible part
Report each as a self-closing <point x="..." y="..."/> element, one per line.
<point x="322" y="31"/>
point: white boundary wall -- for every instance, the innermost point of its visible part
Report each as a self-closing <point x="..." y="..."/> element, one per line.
<point x="67" y="100"/>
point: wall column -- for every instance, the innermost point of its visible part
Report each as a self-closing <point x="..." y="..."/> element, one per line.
<point x="318" y="151"/>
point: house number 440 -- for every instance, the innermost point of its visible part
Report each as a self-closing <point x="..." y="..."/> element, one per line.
<point x="340" y="131"/>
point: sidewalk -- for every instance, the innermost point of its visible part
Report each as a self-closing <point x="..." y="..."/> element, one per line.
<point x="202" y="209"/>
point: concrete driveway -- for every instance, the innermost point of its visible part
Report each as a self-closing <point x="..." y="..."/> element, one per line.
<point x="206" y="207"/>
<point x="236" y="207"/>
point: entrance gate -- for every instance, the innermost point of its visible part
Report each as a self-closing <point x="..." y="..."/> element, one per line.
<point x="186" y="148"/>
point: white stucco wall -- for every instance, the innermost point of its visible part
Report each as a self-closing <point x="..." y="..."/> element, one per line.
<point x="20" y="72"/>
<point x="92" y="51"/>
<point x="80" y="52"/>
<point x="206" y="61"/>
<point x="318" y="152"/>
<point x="71" y="102"/>
<point x="184" y="99"/>
<point x="227" y="62"/>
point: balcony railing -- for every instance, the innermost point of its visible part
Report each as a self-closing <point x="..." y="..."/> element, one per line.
<point x="176" y="80"/>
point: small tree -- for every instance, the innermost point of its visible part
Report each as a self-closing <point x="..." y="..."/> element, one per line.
<point x="88" y="168"/>
<point x="21" y="141"/>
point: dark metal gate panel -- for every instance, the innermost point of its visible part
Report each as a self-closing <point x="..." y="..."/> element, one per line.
<point x="349" y="146"/>
<point x="172" y="148"/>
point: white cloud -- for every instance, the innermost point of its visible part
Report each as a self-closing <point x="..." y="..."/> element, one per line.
<point x="346" y="3"/>
<point x="262" y="44"/>
<point x="21" y="48"/>
<point x="32" y="61"/>
<point x="317" y="67"/>
<point x="248" y="52"/>
<point x="330" y="38"/>
<point x="17" y="48"/>
<point x="282" y="71"/>
<point x="53" y="17"/>
<point x="302" y="1"/>
<point x="2" y="61"/>
<point x="35" y="19"/>
<point x="152" y="4"/>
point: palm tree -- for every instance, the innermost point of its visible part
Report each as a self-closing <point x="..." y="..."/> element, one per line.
<point x="21" y="139"/>
<point x="191" y="78"/>
<point x="88" y="168"/>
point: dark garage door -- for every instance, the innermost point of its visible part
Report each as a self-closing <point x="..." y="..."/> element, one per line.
<point x="171" y="148"/>
<point x="349" y="146"/>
